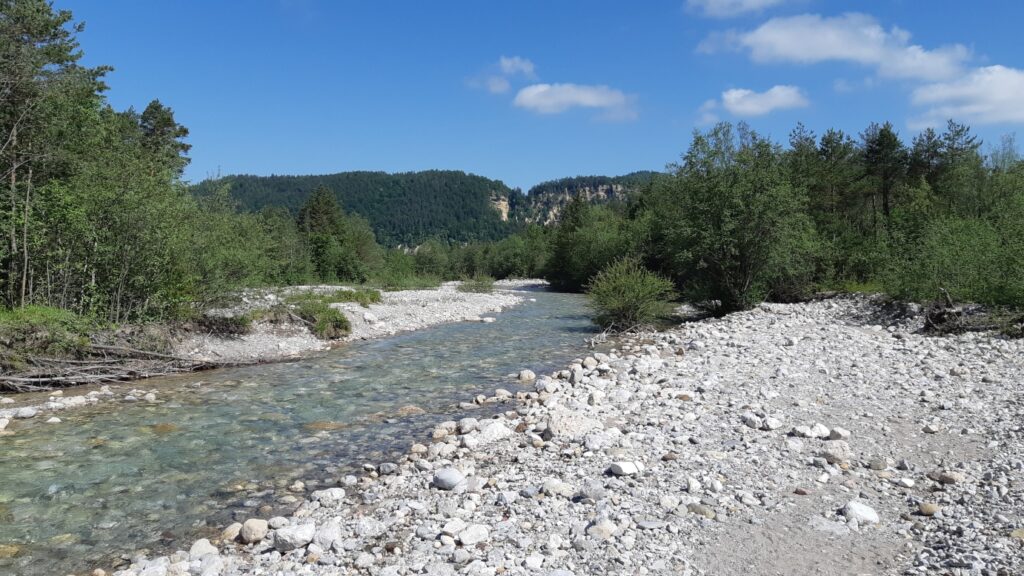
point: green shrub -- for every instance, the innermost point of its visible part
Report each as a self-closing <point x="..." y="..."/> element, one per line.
<point x="588" y="239"/>
<point x="224" y="325"/>
<point x="326" y="322"/>
<point x="362" y="296"/>
<point x="726" y="215"/>
<point x="480" y="283"/>
<point x="42" y="330"/>
<point x="962" y="255"/>
<point x="398" y="273"/>
<point x="626" y="295"/>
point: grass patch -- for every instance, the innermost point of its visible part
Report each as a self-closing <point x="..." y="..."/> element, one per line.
<point x="869" y="287"/>
<point x="390" y="282"/>
<point x="326" y="322"/>
<point x="224" y="325"/>
<point x="43" y="331"/>
<point x="480" y="284"/>
<point x="362" y="296"/>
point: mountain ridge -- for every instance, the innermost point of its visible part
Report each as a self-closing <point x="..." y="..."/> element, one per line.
<point x="407" y="208"/>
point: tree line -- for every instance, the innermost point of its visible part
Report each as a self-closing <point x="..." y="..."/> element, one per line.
<point x="741" y="219"/>
<point x="404" y="209"/>
<point x="97" y="220"/>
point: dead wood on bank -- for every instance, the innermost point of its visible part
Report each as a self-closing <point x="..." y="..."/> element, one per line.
<point x="103" y="364"/>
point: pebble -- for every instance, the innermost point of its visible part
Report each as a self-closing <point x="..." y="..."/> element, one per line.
<point x="555" y="483"/>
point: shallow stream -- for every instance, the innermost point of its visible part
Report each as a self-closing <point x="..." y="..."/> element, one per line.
<point x="224" y="445"/>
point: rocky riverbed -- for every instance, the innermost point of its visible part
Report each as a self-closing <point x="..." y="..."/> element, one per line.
<point x="400" y="311"/>
<point x="791" y="439"/>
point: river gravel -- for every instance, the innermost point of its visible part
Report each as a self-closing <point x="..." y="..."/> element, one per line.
<point x="815" y="438"/>
<point x="400" y="311"/>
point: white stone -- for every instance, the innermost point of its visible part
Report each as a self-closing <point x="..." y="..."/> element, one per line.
<point x="860" y="512"/>
<point x="201" y="548"/>
<point x="448" y="479"/>
<point x="291" y="537"/>
<point x="329" y="496"/>
<point x="253" y="530"/>
<point x="493" y="432"/>
<point x="474" y="534"/>
<point x="626" y="468"/>
<point x="839" y="434"/>
<point x="819" y="430"/>
<point x="570" y="424"/>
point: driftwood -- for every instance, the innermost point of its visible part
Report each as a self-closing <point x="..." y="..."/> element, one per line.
<point x="103" y="364"/>
<point x="944" y="316"/>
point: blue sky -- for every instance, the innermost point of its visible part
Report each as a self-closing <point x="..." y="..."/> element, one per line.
<point x="532" y="90"/>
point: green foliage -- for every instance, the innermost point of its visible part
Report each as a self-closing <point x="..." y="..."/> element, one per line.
<point x="224" y="325"/>
<point x="45" y="331"/>
<point x="626" y="295"/>
<point x="726" y="216"/>
<point x="326" y="322"/>
<point x="342" y="247"/>
<point x="480" y="284"/>
<point x="398" y="273"/>
<point x="363" y="296"/>
<point x="403" y="209"/>
<point x="973" y="259"/>
<point x="431" y="259"/>
<point x="588" y="239"/>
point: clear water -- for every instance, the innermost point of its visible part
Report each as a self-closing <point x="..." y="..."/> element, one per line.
<point x="222" y="445"/>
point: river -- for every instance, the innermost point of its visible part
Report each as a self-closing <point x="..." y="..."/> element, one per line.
<point x="224" y="445"/>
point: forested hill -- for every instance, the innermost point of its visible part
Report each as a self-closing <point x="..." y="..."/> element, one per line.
<point x="405" y="208"/>
<point x="545" y="201"/>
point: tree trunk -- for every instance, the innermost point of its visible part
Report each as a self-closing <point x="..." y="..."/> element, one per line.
<point x="13" y="232"/>
<point x="24" y="236"/>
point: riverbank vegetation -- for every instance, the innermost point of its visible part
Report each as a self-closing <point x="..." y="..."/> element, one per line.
<point x="98" y="223"/>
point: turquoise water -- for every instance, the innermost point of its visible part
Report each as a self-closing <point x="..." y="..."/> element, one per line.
<point x="223" y="445"/>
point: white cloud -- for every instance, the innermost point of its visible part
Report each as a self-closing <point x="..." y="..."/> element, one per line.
<point x="498" y="79"/>
<point x="708" y="113"/>
<point x="743" y="102"/>
<point x="858" y="38"/>
<point x="557" y="98"/>
<point x="988" y="95"/>
<point x="730" y="8"/>
<point x="497" y="84"/>
<point x="513" y="65"/>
